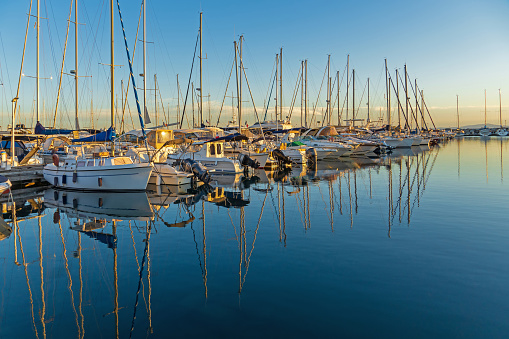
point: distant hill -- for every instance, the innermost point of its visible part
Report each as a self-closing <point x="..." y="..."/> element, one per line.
<point x="480" y="126"/>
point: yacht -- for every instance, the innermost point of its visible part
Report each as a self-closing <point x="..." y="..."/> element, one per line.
<point x="90" y="167"/>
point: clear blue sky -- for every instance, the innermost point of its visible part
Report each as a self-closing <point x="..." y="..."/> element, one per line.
<point x="451" y="47"/>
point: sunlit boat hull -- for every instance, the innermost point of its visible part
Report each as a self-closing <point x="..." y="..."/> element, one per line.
<point x="127" y="177"/>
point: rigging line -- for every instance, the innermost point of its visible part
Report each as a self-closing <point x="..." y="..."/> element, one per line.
<point x="189" y="82"/>
<point x="399" y="103"/>
<point x="269" y="88"/>
<point x="225" y="92"/>
<point x="362" y="97"/>
<point x="62" y="65"/>
<point x="294" y="96"/>
<point x="132" y="77"/>
<point x="134" y="52"/>
<point x="318" y="98"/>
<point x="409" y="104"/>
<point x="252" y="99"/>
<point x="6" y="68"/>
<point x="270" y="96"/>
<point x="417" y="102"/>
<point x="23" y="57"/>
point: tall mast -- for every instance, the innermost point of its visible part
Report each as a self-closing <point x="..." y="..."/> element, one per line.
<point x="387" y="84"/>
<point x="500" y="100"/>
<point x="77" y="124"/>
<point x="112" y="68"/>
<point x="328" y="90"/>
<point x="306" y="93"/>
<point x="145" y="60"/>
<point x="155" y="98"/>
<point x="240" y="83"/>
<point x="37" y="63"/>
<point x="201" y="65"/>
<point x="237" y="78"/>
<point x="484" y="108"/>
<point x="406" y="98"/>
<point x="353" y="98"/>
<point x="277" y="93"/>
<point x="301" y="91"/>
<point x="281" y="83"/>
<point x="337" y="80"/>
<point x="417" y="106"/>
<point x="397" y="95"/>
<point x="368" y="100"/>
<point x="178" y="99"/>
<point x="347" y="83"/>
<point x="192" y="102"/>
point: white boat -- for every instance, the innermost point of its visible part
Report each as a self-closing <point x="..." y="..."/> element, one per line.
<point x="209" y="154"/>
<point x="163" y="173"/>
<point x="484" y="132"/>
<point x="501" y="132"/>
<point x="90" y="167"/>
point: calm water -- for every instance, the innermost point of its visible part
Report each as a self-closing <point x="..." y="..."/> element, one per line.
<point x="413" y="245"/>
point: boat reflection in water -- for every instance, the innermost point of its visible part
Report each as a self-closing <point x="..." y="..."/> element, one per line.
<point x="100" y="205"/>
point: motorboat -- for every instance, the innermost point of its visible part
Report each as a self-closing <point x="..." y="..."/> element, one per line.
<point x="91" y="167"/>
<point x="210" y="154"/>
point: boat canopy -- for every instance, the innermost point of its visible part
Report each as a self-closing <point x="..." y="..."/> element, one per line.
<point x="103" y="136"/>
<point x="231" y="137"/>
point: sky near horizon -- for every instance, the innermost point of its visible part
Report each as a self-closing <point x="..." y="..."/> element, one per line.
<point x="451" y="47"/>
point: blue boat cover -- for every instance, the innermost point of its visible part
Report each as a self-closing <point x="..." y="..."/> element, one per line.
<point x="107" y="135"/>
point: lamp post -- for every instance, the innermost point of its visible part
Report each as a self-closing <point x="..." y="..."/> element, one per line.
<point x="12" y="129"/>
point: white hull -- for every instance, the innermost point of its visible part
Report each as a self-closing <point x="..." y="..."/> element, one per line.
<point x="392" y="142"/>
<point x="164" y="174"/>
<point x="416" y="141"/>
<point x="102" y="178"/>
<point x="502" y="132"/>
<point x="406" y="142"/>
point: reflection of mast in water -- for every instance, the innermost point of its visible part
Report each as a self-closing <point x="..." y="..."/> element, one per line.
<point x="243" y="247"/>
<point x="25" y="266"/>
<point x="408" y="188"/>
<point x="458" y="142"/>
<point x="350" y="200"/>
<point x="331" y="204"/>
<point x="43" y="298"/>
<point x="69" y="286"/>
<point x="400" y="189"/>
<point x="115" y="278"/>
<point x="501" y="161"/>
<point x="147" y="241"/>
<point x="340" y="194"/>
<point x="205" y="248"/>
<point x="486" y="152"/>
<point x="81" y="288"/>
<point x="355" y="191"/>
<point x="390" y="197"/>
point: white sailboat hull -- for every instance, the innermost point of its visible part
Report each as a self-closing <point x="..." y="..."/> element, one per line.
<point x="102" y="178"/>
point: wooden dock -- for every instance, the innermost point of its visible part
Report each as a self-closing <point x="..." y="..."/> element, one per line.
<point x="23" y="174"/>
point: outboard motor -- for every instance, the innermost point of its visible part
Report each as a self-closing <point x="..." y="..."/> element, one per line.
<point x="280" y="157"/>
<point x="246" y="161"/>
<point x="199" y="171"/>
<point x="311" y="157"/>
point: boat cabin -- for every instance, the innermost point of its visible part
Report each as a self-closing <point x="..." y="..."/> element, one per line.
<point x="157" y="137"/>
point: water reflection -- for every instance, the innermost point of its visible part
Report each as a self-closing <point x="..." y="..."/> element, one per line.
<point x="135" y="264"/>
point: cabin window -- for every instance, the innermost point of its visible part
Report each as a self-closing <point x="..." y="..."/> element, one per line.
<point x="122" y="161"/>
<point x="219" y="152"/>
<point x="81" y="163"/>
<point x="212" y="149"/>
<point x="90" y="163"/>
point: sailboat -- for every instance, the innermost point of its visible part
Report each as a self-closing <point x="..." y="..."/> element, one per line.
<point x="91" y="167"/>
<point x="501" y="131"/>
<point x="484" y="132"/>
